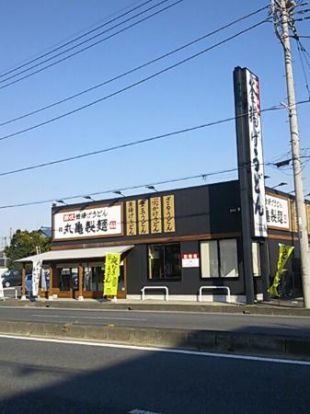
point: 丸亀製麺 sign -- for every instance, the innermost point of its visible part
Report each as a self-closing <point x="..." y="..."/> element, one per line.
<point x="88" y="222"/>
<point x="111" y="274"/>
<point x="277" y="212"/>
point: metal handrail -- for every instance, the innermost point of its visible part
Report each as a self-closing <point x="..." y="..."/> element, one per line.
<point x="165" y="288"/>
<point x="213" y="287"/>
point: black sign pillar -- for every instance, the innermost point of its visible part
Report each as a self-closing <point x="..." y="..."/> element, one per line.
<point x="244" y="171"/>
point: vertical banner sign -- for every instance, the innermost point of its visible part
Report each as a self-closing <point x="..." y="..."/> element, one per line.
<point x="111" y="274"/>
<point x="256" y="156"/>
<point x="131" y="218"/>
<point x="156" y="225"/>
<point x="169" y="214"/>
<point x="143" y="216"/>
<point x="36" y="274"/>
<point x="284" y="254"/>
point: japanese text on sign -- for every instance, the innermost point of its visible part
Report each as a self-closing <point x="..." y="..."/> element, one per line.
<point x="131" y="218"/>
<point x="143" y="216"/>
<point x="256" y="157"/>
<point x="90" y="222"/>
<point x="111" y="274"/>
<point x="169" y="215"/>
<point x="156" y="225"/>
<point x="277" y="212"/>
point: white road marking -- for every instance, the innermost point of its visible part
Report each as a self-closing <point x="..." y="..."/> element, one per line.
<point x="87" y="317"/>
<point x="155" y="349"/>
<point x="137" y="411"/>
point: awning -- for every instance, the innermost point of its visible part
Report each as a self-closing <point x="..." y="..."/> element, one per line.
<point x="61" y="255"/>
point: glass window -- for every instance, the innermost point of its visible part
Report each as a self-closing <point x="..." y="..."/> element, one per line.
<point x="165" y="261"/>
<point x="68" y="278"/>
<point x="256" y="259"/>
<point x="64" y="279"/>
<point x="229" y="258"/>
<point x="93" y="278"/>
<point x="219" y="258"/>
<point x="209" y="259"/>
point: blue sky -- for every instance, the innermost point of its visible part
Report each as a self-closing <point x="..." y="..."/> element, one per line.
<point x="194" y="93"/>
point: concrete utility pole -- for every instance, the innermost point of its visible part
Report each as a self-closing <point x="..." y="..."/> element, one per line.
<point x="284" y="9"/>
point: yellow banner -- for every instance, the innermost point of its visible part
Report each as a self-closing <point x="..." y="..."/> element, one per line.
<point x="284" y="254"/>
<point x="111" y="274"/>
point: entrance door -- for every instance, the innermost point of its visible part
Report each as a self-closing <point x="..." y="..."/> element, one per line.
<point x="68" y="282"/>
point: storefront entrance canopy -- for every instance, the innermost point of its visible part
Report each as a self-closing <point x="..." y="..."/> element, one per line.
<point x="72" y="254"/>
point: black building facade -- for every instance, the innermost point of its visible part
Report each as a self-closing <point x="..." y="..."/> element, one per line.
<point x="185" y="242"/>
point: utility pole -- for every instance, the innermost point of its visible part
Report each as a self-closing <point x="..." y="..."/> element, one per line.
<point x="282" y="14"/>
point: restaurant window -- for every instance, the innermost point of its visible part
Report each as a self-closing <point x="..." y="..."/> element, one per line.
<point x="93" y="278"/>
<point x="219" y="258"/>
<point x="164" y="261"/>
<point x="68" y="278"/>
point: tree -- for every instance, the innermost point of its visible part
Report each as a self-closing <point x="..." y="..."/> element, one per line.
<point x="23" y="244"/>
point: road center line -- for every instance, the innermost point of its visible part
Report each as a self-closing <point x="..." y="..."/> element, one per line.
<point x="75" y="317"/>
<point x="164" y="350"/>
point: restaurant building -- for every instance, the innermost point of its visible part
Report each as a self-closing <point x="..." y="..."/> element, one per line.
<point x="185" y="243"/>
<point x="217" y="240"/>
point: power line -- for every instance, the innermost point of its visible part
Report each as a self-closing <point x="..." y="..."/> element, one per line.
<point x="203" y="176"/>
<point x="154" y="75"/>
<point x="137" y="142"/>
<point x="75" y="39"/>
<point x="136" y="68"/>
<point x="122" y="189"/>
<point x="89" y="46"/>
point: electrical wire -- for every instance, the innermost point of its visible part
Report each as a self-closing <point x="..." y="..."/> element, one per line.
<point x="132" y="85"/>
<point x="75" y="39"/>
<point x="202" y="176"/>
<point x="300" y="53"/>
<point x="89" y="46"/>
<point x="136" y="68"/>
<point x="138" y="142"/>
<point x="120" y="190"/>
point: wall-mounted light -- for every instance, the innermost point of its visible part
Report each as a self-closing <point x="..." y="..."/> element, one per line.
<point x="151" y="187"/>
<point x="279" y="185"/>
<point x="119" y="193"/>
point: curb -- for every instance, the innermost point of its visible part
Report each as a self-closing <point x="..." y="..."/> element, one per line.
<point x="211" y="341"/>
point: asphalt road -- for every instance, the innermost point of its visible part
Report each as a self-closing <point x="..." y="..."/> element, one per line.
<point x="281" y="325"/>
<point x="48" y="377"/>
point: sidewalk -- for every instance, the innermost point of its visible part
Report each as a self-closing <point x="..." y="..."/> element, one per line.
<point x="274" y="307"/>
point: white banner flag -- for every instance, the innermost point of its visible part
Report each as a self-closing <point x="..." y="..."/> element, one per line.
<point x="36" y="273"/>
